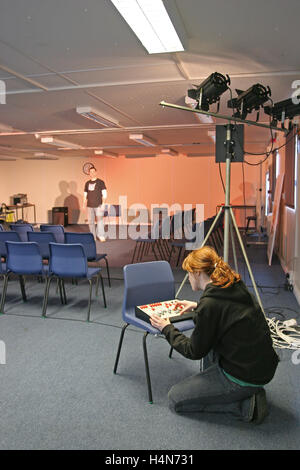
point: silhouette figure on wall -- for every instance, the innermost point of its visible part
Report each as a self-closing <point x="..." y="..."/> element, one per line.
<point x="69" y="198"/>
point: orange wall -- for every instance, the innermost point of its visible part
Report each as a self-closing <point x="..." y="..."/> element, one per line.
<point x="162" y="179"/>
<point x="181" y="179"/>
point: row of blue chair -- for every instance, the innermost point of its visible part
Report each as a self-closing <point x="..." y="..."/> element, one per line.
<point x="53" y="234"/>
<point x="65" y="261"/>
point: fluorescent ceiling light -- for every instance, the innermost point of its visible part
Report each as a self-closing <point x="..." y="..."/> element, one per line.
<point x="200" y="154"/>
<point x="7" y="159"/>
<point x="141" y="155"/>
<point x="151" y="23"/>
<point x="42" y="156"/>
<point x="60" y="143"/>
<point x="169" y="151"/>
<point x="96" y="116"/>
<point x="143" y="139"/>
<point x="105" y="153"/>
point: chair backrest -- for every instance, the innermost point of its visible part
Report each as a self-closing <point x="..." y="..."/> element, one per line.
<point x="24" y="258"/>
<point x="86" y="239"/>
<point x="57" y="230"/>
<point x="22" y="230"/>
<point x="146" y="283"/>
<point x="67" y="260"/>
<point x="42" y="239"/>
<point x="7" y="236"/>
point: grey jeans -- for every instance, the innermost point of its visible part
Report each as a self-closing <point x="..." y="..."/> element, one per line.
<point x="212" y="392"/>
<point x="93" y="214"/>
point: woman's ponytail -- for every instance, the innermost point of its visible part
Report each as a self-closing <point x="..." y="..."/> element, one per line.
<point x="206" y="260"/>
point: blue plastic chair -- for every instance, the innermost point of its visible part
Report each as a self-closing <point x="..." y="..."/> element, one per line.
<point x="146" y="283"/>
<point x="69" y="261"/>
<point x="23" y="258"/>
<point x="7" y="236"/>
<point x="86" y="239"/>
<point x="22" y="230"/>
<point x="57" y="230"/>
<point x="42" y="239"/>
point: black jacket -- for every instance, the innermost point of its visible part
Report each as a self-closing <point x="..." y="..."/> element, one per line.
<point x="230" y="322"/>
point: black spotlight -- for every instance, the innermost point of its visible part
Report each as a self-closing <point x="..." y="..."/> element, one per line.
<point x="249" y="100"/>
<point x="209" y="91"/>
<point x="283" y="110"/>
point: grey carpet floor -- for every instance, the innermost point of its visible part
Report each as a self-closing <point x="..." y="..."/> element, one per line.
<point x="58" y="390"/>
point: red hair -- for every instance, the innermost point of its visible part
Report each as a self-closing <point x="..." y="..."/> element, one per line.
<point x="206" y="260"/>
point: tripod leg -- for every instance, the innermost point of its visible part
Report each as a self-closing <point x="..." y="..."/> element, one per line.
<point x="246" y="260"/>
<point x="233" y="248"/>
<point x="202" y="244"/>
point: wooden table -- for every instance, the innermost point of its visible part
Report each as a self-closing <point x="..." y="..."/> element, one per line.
<point x="21" y="207"/>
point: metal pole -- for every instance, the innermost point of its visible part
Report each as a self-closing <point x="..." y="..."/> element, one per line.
<point x="233" y="247"/>
<point x="222" y="116"/>
<point x="227" y="194"/>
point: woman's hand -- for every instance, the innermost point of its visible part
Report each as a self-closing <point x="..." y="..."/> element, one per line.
<point x="159" y="322"/>
<point x="188" y="305"/>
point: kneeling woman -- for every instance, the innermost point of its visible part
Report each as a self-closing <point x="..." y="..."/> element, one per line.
<point x="231" y="334"/>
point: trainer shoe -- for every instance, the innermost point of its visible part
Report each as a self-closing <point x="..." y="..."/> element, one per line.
<point x="261" y="407"/>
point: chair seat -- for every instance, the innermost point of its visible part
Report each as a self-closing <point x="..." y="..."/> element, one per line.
<point x="91" y="272"/>
<point x="24" y="272"/>
<point x="98" y="257"/>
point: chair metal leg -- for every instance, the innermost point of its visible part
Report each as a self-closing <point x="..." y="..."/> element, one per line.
<point x="179" y="254"/>
<point x="59" y="283"/>
<point x="103" y="292"/>
<point x="3" y="296"/>
<point x="152" y="245"/>
<point x="119" y="347"/>
<point x="138" y="257"/>
<point x="143" y="250"/>
<point x="45" y="303"/>
<point x="147" y="367"/>
<point x="64" y="290"/>
<point x="22" y="285"/>
<point x="170" y="255"/>
<point x="107" y="270"/>
<point x="136" y="244"/>
<point x="90" y="299"/>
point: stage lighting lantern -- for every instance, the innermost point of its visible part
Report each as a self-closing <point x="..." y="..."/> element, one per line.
<point x="249" y="100"/>
<point x="283" y="110"/>
<point x="209" y="91"/>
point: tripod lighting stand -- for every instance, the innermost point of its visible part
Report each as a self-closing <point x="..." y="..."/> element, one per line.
<point x="229" y="218"/>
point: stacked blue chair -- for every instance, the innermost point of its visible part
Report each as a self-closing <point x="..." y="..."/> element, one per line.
<point x="86" y="239"/>
<point x="22" y="230"/>
<point x="146" y="283"/>
<point x="57" y="230"/>
<point x="23" y="258"/>
<point x="69" y="261"/>
<point x="142" y="244"/>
